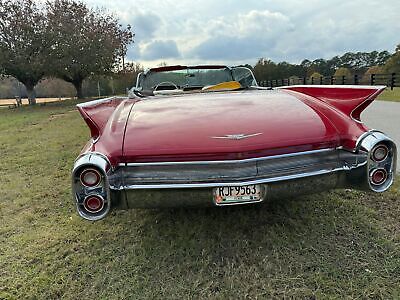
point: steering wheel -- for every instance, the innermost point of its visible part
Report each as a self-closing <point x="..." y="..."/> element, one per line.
<point x="166" y="83"/>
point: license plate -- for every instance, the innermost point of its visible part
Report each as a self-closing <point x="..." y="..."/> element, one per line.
<point x="226" y="195"/>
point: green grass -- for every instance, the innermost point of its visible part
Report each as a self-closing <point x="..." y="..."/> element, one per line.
<point x="343" y="244"/>
<point x="390" y="95"/>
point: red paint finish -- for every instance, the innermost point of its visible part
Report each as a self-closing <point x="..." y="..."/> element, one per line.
<point x="97" y="114"/>
<point x="112" y="129"/>
<point x="349" y="100"/>
<point x="348" y="129"/>
<point x="183" y="127"/>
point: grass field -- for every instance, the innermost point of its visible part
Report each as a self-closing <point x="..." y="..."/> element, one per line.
<point x="343" y="244"/>
<point x="390" y="95"/>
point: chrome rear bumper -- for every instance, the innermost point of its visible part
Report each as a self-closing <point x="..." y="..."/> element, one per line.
<point x="171" y="184"/>
<point x="197" y="197"/>
<point x="207" y="174"/>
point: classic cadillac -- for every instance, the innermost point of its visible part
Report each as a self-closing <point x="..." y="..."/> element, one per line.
<point x="208" y="135"/>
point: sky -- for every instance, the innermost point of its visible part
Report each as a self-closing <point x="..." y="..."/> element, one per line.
<point x="237" y="32"/>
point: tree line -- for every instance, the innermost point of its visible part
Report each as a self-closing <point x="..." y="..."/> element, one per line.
<point x="61" y="46"/>
<point x="63" y="39"/>
<point x="114" y="83"/>
<point x="348" y="64"/>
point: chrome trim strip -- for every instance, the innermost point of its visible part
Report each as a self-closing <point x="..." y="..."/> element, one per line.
<point x="363" y="136"/>
<point x="95" y="102"/>
<point x="241" y="183"/>
<point x="368" y="140"/>
<point x="237" y="161"/>
<point x="96" y="154"/>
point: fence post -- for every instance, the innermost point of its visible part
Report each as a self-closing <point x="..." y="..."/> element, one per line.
<point x="332" y="80"/>
<point x="392" y="81"/>
<point x="372" y="79"/>
<point x="356" y="79"/>
<point x="321" y="80"/>
<point x="343" y="79"/>
<point x="312" y="80"/>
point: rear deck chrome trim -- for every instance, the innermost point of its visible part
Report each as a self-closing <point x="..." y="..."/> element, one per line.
<point x="219" y="184"/>
<point x="212" y="162"/>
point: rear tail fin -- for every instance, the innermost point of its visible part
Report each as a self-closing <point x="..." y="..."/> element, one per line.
<point x="96" y="113"/>
<point x="351" y="100"/>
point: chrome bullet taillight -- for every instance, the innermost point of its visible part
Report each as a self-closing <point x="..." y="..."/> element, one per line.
<point x="90" y="177"/>
<point x="379" y="153"/>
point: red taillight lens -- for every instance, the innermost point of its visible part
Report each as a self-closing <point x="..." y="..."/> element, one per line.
<point x="93" y="204"/>
<point x="379" y="153"/>
<point x="378" y="176"/>
<point x="90" y="177"/>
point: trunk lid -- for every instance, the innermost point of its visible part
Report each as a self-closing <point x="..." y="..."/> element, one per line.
<point x="197" y="127"/>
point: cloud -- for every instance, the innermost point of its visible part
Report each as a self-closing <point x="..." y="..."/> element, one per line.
<point x="145" y="25"/>
<point x="248" y="36"/>
<point x="159" y="49"/>
<point x="234" y="32"/>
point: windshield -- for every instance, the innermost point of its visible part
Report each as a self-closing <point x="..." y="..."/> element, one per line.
<point x="184" y="79"/>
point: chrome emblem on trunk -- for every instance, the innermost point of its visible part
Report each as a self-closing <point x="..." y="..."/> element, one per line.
<point x="239" y="136"/>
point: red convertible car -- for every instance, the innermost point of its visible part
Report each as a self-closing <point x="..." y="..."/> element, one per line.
<point x="208" y="135"/>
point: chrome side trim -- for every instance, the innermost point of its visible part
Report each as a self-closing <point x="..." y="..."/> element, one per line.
<point x="213" y="162"/>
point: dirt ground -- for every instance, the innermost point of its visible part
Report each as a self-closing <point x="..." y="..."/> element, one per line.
<point x="25" y="101"/>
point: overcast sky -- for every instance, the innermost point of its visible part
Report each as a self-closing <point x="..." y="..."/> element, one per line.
<point x="235" y="32"/>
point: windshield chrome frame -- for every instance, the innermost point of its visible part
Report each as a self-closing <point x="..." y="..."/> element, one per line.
<point x="142" y="75"/>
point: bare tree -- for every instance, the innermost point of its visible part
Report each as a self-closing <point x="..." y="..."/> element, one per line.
<point x="23" y="44"/>
<point x="88" y="41"/>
